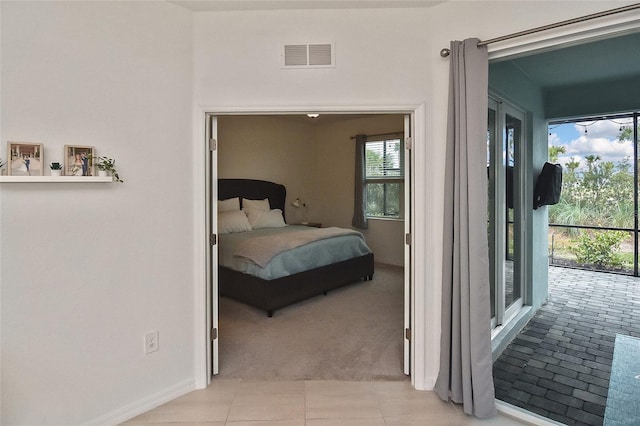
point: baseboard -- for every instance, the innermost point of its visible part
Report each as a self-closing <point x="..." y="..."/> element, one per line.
<point x="387" y="262"/>
<point x="145" y="404"/>
<point x="523" y="415"/>
<point x="428" y="384"/>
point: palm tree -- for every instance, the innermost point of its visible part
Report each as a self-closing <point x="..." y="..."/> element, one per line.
<point x="555" y="151"/>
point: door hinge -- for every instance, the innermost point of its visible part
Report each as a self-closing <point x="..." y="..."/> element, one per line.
<point x="214" y="334"/>
<point x="407" y="239"/>
<point x="408" y="143"/>
<point x="407" y="333"/>
<point x="213" y="239"/>
<point x="212" y="144"/>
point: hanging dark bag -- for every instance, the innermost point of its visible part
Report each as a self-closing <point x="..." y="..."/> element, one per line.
<point x="548" y="186"/>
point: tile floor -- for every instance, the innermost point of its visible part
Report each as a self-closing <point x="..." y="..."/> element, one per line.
<point x="311" y="403"/>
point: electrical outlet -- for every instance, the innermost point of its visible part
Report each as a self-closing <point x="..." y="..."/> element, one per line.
<point x="151" y="343"/>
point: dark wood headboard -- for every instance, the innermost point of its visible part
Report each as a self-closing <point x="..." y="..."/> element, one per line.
<point x="253" y="189"/>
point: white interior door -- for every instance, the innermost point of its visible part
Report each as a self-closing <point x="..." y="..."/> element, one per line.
<point x="408" y="180"/>
<point x="212" y="231"/>
<point x="212" y="255"/>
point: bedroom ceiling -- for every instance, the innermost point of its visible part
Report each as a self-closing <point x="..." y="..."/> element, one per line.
<point x="234" y="5"/>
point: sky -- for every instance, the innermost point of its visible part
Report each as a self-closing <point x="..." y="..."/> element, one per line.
<point x="600" y="139"/>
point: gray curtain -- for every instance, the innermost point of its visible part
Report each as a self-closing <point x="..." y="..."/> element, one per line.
<point x="359" y="196"/>
<point x="465" y="356"/>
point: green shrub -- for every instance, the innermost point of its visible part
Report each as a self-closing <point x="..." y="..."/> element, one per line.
<point x="599" y="248"/>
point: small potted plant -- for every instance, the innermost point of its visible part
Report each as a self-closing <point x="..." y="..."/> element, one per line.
<point x="107" y="166"/>
<point x="56" y="169"/>
<point x="2" y="163"/>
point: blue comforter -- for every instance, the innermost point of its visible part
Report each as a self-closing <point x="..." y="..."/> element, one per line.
<point x="309" y="256"/>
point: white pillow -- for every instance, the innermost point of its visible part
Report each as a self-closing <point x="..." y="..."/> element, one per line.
<point x="256" y="204"/>
<point x="265" y="219"/>
<point x="230" y="222"/>
<point x="229" y="205"/>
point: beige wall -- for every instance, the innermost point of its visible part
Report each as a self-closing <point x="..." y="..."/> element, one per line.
<point x="315" y="161"/>
<point x="267" y="148"/>
<point x="334" y="177"/>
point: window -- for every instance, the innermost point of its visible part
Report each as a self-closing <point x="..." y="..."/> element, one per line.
<point x="384" y="177"/>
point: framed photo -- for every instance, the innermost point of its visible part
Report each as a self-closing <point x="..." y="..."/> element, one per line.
<point x="78" y="160"/>
<point x="25" y="159"/>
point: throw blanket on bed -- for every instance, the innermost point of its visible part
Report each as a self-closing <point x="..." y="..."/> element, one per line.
<point x="262" y="249"/>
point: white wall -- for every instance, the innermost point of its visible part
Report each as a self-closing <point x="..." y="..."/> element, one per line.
<point x="384" y="57"/>
<point x="88" y="269"/>
<point x="382" y="60"/>
<point x="117" y="75"/>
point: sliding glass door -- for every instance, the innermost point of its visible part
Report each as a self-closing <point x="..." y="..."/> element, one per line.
<point x="505" y="131"/>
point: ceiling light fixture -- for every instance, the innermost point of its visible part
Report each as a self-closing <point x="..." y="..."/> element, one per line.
<point x="313" y="115"/>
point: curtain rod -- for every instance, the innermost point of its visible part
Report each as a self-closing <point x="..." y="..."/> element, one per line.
<point x="446" y="52"/>
<point x="383" y="134"/>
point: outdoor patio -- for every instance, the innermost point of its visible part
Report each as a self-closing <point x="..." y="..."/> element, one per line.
<point x="559" y="365"/>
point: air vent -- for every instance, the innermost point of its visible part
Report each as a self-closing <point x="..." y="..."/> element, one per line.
<point x="320" y="55"/>
<point x="295" y="55"/>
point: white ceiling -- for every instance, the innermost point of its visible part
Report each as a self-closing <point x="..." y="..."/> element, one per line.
<point x="231" y="5"/>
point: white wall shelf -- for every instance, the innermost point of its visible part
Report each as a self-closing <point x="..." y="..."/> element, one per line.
<point x="55" y="179"/>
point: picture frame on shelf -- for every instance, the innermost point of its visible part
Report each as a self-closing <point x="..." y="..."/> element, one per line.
<point x="78" y="160"/>
<point x="25" y="159"/>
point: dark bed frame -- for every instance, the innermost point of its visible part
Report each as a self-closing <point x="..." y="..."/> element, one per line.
<point x="270" y="295"/>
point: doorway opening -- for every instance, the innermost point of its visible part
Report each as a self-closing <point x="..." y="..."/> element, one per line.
<point x="297" y="151"/>
<point x="559" y="361"/>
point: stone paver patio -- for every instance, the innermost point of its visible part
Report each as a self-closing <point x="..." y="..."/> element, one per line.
<point x="559" y="365"/>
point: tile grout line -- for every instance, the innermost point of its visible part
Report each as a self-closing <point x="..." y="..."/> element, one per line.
<point x="305" y="403"/>
<point x="235" y="395"/>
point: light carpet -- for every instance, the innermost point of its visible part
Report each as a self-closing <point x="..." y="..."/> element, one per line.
<point x="353" y="333"/>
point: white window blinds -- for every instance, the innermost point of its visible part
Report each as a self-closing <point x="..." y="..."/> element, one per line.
<point x="384" y="159"/>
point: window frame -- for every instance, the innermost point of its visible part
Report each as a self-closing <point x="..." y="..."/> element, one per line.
<point x="388" y="179"/>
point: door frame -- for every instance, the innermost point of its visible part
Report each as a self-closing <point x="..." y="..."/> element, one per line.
<point x="202" y="302"/>
<point x="552" y="39"/>
<point x="498" y="233"/>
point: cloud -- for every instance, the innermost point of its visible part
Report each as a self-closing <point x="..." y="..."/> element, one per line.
<point x="554" y="139"/>
<point x="601" y="139"/>
<point x="586" y="145"/>
<point x="603" y="128"/>
<point x="606" y="149"/>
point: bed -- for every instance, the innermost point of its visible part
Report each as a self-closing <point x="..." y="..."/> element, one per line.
<point x="270" y="293"/>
